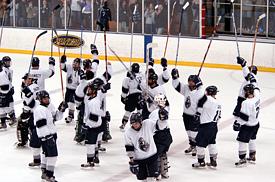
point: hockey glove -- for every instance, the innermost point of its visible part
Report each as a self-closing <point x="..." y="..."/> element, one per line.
<point x="197" y="118"/>
<point x="94" y="49"/>
<point x="108" y="116"/>
<point x="63" y="59"/>
<point x="163" y="62"/>
<point x="62" y="106"/>
<point x="236" y="126"/>
<point x="27" y="92"/>
<point x="106" y="87"/>
<point x="123" y="99"/>
<point x="82" y="75"/>
<point x="197" y="81"/>
<point x="52" y="61"/>
<point x="175" y="73"/>
<point x="11" y="91"/>
<point x="241" y="61"/>
<point x="134" y="168"/>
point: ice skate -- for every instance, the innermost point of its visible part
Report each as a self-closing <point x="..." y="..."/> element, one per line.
<point x="198" y="165"/>
<point x="89" y="164"/>
<point x="241" y="163"/>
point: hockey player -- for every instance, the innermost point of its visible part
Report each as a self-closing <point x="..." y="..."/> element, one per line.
<point x="72" y="82"/>
<point x="162" y="136"/>
<point x="131" y="93"/>
<point x="248" y="119"/>
<point x="141" y="148"/>
<point x="207" y="115"/>
<point x="85" y="76"/>
<point x="94" y="112"/>
<point x="249" y="74"/>
<point x="25" y="121"/>
<point x="6" y="66"/>
<point x="192" y="92"/>
<point x="40" y="74"/>
<point x="44" y="117"/>
<point x="5" y="97"/>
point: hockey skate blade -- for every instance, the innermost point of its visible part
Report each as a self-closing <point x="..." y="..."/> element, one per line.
<point x="240" y="165"/>
<point x="211" y="167"/>
<point x="251" y="162"/>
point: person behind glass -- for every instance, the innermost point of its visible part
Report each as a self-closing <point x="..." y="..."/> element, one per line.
<point x="31" y="14"/>
<point x="45" y="14"/>
<point x="62" y="15"/>
<point x="123" y="16"/>
<point x="271" y="17"/>
<point x="150" y="19"/>
<point x="141" y="148"/>
<point x="187" y="18"/>
<point x="3" y="8"/>
<point x="105" y="16"/>
<point x="196" y="13"/>
<point x="161" y="18"/>
<point x="86" y="14"/>
<point x="136" y="18"/>
<point x="76" y="13"/>
<point x="20" y="12"/>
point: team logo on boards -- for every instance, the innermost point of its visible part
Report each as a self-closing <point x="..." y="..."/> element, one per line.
<point x="68" y="41"/>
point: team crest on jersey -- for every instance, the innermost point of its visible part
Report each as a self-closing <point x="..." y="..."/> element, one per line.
<point x="68" y="41"/>
<point x="187" y="102"/>
<point x="143" y="145"/>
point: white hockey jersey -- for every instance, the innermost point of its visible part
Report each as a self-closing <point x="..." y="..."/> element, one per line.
<point x="191" y="98"/>
<point x="210" y="110"/>
<point x="72" y="77"/>
<point x="4" y="83"/>
<point x="142" y="140"/>
<point x="93" y="112"/>
<point x="162" y="77"/>
<point x="131" y="86"/>
<point x="250" y="110"/>
<point x="29" y="98"/>
<point x="9" y="73"/>
<point x="155" y="117"/>
<point x="152" y="93"/>
<point x="40" y="75"/>
<point x="44" y="118"/>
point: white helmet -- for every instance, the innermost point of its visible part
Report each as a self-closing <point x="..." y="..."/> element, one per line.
<point x="160" y="99"/>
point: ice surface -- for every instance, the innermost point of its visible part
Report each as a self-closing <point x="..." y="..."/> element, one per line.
<point x="114" y="163"/>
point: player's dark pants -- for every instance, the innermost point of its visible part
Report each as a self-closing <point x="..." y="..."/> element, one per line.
<point x="147" y="167"/>
<point x="163" y="140"/>
<point x="191" y="128"/>
<point x="248" y="133"/>
<point x="206" y="134"/>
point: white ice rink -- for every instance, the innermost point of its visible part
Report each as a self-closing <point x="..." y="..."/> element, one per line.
<point x="114" y="163"/>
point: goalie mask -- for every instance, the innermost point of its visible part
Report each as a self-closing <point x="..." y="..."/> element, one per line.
<point x="160" y="100"/>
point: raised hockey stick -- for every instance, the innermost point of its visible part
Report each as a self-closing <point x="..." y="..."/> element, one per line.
<point x="255" y="36"/>
<point x="130" y="72"/>
<point x="53" y="11"/>
<point x="81" y="31"/>
<point x="148" y="47"/>
<point x="36" y="39"/>
<point x="67" y="31"/>
<point x="168" y="28"/>
<point x="211" y="39"/>
<point x="97" y="25"/>
<point x="60" y="69"/>
<point x="105" y="47"/>
<point x="235" y="29"/>
<point x="181" y="13"/>
<point x="132" y="34"/>
<point x="3" y="22"/>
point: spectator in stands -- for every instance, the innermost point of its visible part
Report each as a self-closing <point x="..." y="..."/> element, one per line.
<point x="149" y="16"/>
<point x="32" y="12"/>
<point x="86" y="14"/>
<point x="123" y="16"/>
<point x="76" y="13"/>
<point x="45" y="14"/>
<point x="196" y="13"/>
<point x="161" y="19"/>
<point x="62" y="15"/>
<point x="271" y="17"/>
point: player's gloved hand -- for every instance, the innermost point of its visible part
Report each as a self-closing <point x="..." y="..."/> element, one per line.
<point x="175" y="73"/>
<point x="241" y="61"/>
<point x="123" y="99"/>
<point x="197" y="81"/>
<point x="27" y="92"/>
<point x="63" y="106"/>
<point x="106" y="87"/>
<point x="236" y="126"/>
<point x="63" y="59"/>
<point x="82" y="75"/>
<point x="151" y="62"/>
<point x="52" y="61"/>
<point x="197" y="118"/>
<point x="108" y="116"/>
<point x="94" y="49"/>
<point x="163" y="62"/>
<point x="11" y="91"/>
<point x="134" y="168"/>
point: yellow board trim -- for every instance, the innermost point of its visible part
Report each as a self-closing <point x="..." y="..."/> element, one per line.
<point x="139" y="60"/>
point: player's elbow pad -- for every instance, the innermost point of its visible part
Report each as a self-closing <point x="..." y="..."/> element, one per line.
<point x="93" y="117"/>
<point x="244" y="116"/>
<point x="129" y="148"/>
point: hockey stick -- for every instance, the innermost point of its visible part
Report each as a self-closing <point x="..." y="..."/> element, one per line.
<point x="168" y="28"/>
<point x="235" y="29"/>
<point x="3" y="22"/>
<point x="53" y="11"/>
<point x="36" y="39"/>
<point x="211" y="39"/>
<point x="60" y="70"/>
<point x="255" y="36"/>
<point x="105" y="47"/>
<point x="130" y="72"/>
<point x="181" y="13"/>
<point x="132" y="35"/>
<point x="68" y="25"/>
<point x="81" y="30"/>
